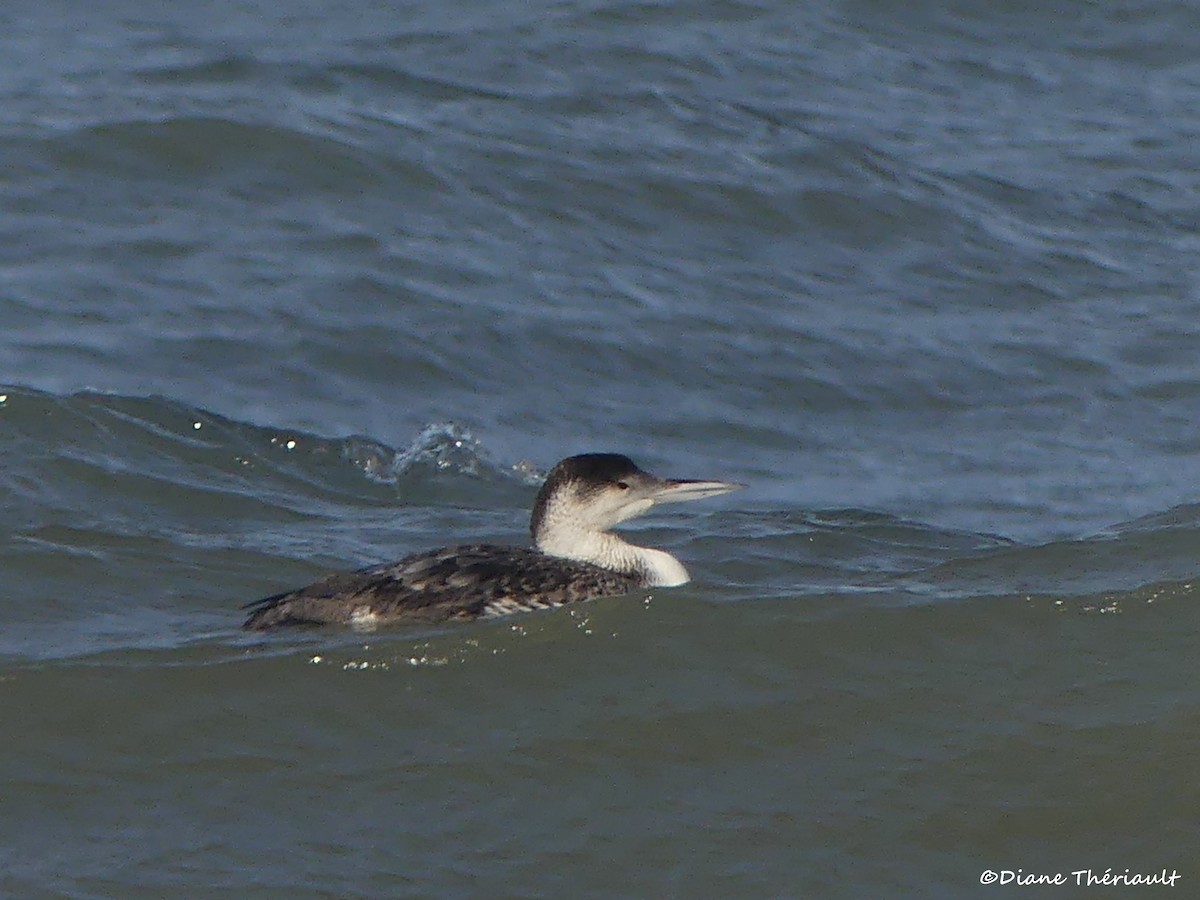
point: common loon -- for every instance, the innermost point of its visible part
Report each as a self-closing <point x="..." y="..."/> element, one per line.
<point x="574" y="557"/>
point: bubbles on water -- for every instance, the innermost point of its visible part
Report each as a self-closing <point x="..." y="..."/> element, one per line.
<point x="583" y="622"/>
<point x="528" y="472"/>
<point x="458" y="649"/>
<point x="1108" y="606"/>
<point x="1118" y="603"/>
<point x="418" y="656"/>
<point x="417" y="661"/>
<point x="360" y="665"/>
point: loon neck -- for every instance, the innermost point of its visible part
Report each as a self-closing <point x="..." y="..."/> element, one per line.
<point x="655" y="568"/>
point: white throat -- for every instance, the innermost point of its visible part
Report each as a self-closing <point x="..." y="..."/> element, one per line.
<point x="656" y="568"/>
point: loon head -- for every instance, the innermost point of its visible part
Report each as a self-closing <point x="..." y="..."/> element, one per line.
<point x="584" y="496"/>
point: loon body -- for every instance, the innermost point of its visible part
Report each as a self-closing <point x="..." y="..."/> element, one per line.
<point x="575" y="557"/>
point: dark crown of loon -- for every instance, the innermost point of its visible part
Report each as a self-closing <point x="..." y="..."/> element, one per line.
<point x="575" y="557"/>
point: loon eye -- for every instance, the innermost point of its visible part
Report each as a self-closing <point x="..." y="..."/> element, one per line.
<point x="623" y="485"/>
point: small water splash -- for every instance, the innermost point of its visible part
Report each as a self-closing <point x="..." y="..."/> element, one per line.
<point x="447" y="447"/>
<point x="444" y="446"/>
<point x="376" y="460"/>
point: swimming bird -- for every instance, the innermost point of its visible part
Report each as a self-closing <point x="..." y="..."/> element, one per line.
<point x="574" y="557"/>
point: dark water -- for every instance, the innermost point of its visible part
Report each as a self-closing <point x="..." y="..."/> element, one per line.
<point x="288" y="290"/>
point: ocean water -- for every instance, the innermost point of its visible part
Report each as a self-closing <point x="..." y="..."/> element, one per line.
<point x="288" y="289"/>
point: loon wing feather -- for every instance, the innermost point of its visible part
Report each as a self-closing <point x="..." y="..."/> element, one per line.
<point x="464" y="582"/>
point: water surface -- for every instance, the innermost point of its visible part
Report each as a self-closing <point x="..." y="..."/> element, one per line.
<point x="290" y="291"/>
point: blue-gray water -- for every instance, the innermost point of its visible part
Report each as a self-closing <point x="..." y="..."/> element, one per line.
<point x="290" y="288"/>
